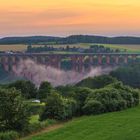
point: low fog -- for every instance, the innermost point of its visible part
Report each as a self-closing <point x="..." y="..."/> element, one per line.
<point x="38" y="73"/>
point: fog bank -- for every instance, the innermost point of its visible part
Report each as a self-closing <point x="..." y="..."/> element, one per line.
<point x="38" y="73"/>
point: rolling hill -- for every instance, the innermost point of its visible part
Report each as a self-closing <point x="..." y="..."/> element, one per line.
<point x="71" y="39"/>
<point x="124" y="125"/>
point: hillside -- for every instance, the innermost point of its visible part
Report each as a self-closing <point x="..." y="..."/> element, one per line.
<point x="71" y="39"/>
<point x="123" y="125"/>
<point x="6" y="77"/>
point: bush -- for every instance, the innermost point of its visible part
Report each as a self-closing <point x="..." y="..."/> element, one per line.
<point x="10" y="135"/>
<point x="92" y="107"/>
<point x="35" y="109"/>
<point x="129" y="94"/>
<point x="136" y="96"/>
<point x="97" y="82"/>
<point x="128" y="97"/>
<point x="27" y="88"/>
<point x="104" y="100"/>
<point x="81" y="94"/>
<point x="44" y="91"/>
<point x="35" y="127"/>
<point x="129" y="75"/>
<point x="66" y="91"/>
<point x="70" y="108"/>
<point x="58" y="108"/>
<point x="54" y="108"/>
<point x="13" y="111"/>
<point x="113" y="97"/>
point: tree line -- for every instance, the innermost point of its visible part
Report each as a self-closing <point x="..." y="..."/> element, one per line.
<point x="71" y="39"/>
<point x="92" y="49"/>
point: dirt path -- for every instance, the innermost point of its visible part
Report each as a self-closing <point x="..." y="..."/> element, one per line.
<point x="48" y="129"/>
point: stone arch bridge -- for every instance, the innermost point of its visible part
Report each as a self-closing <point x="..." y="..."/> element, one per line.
<point x="10" y="61"/>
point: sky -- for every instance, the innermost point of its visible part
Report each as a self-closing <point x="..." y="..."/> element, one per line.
<point x="69" y="17"/>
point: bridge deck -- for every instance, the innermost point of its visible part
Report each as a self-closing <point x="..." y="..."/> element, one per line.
<point x="53" y="54"/>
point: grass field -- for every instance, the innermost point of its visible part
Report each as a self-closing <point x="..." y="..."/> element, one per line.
<point x="129" y="48"/>
<point x="22" y="47"/>
<point x="34" y="119"/>
<point x="15" y="47"/>
<point x="123" y="125"/>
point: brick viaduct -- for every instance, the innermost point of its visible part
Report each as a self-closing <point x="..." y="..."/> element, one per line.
<point x="10" y="61"/>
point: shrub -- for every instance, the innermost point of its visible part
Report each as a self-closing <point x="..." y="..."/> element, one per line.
<point x="35" y="109"/>
<point x="129" y="75"/>
<point x="66" y="91"/>
<point x="81" y="94"/>
<point x="54" y="108"/>
<point x="92" y="107"/>
<point x="13" y="111"/>
<point x="58" y="108"/>
<point x="10" y="135"/>
<point x="104" y="100"/>
<point x="136" y="96"/>
<point x="35" y="127"/>
<point x="128" y="97"/>
<point x="110" y="98"/>
<point x="97" y="82"/>
<point x="27" y="88"/>
<point x="44" y="91"/>
<point x="129" y="94"/>
<point x="70" y="108"/>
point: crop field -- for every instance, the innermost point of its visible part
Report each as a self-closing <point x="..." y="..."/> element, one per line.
<point x="23" y="47"/>
<point x="129" y="48"/>
<point x="14" y="47"/>
<point x="124" y="125"/>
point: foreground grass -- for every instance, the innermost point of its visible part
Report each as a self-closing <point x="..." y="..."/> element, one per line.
<point x="124" y="125"/>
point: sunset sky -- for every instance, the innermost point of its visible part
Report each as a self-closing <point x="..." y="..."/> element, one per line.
<point x="66" y="17"/>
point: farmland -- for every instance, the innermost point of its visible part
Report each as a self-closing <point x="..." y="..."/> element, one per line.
<point x="122" y="125"/>
<point x="23" y="47"/>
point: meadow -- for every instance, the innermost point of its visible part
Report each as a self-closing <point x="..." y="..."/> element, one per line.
<point x="129" y="48"/>
<point x="23" y="47"/>
<point x="122" y="125"/>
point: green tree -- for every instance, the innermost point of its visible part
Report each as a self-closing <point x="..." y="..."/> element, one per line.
<point x="97" y="82"/>
<point x="45" y="90"/>
<point x="58" y="108"/>
<point x="13" y="111"/>
<point x="54" y="108"/>
<point x="109" y="97"/>
<point x="93" y="107"/>
<point x="81" y="93"/>
<point x="27" y="88"/>
<point x="129" y="75"/>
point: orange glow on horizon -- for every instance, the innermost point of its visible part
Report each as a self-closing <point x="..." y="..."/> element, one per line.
<point x="65" y="17"/>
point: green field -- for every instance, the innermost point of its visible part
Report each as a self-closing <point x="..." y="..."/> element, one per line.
<point x="123" y="125"/>
<point x="22" y="47"/>
<point x="129" y="48"/>
<point x="34" y="119"/>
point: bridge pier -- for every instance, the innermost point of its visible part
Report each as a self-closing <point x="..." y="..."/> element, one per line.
<point x="125" y="59"/>
<point x="108" y="59"/>
<point x="117" y="60"/>
<point x="74" y="63"/>
<point x="80" y="64"/>
<point x="55" y="61"/>
<point x="99" y="59"/>
<point x="5" y="63"/>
